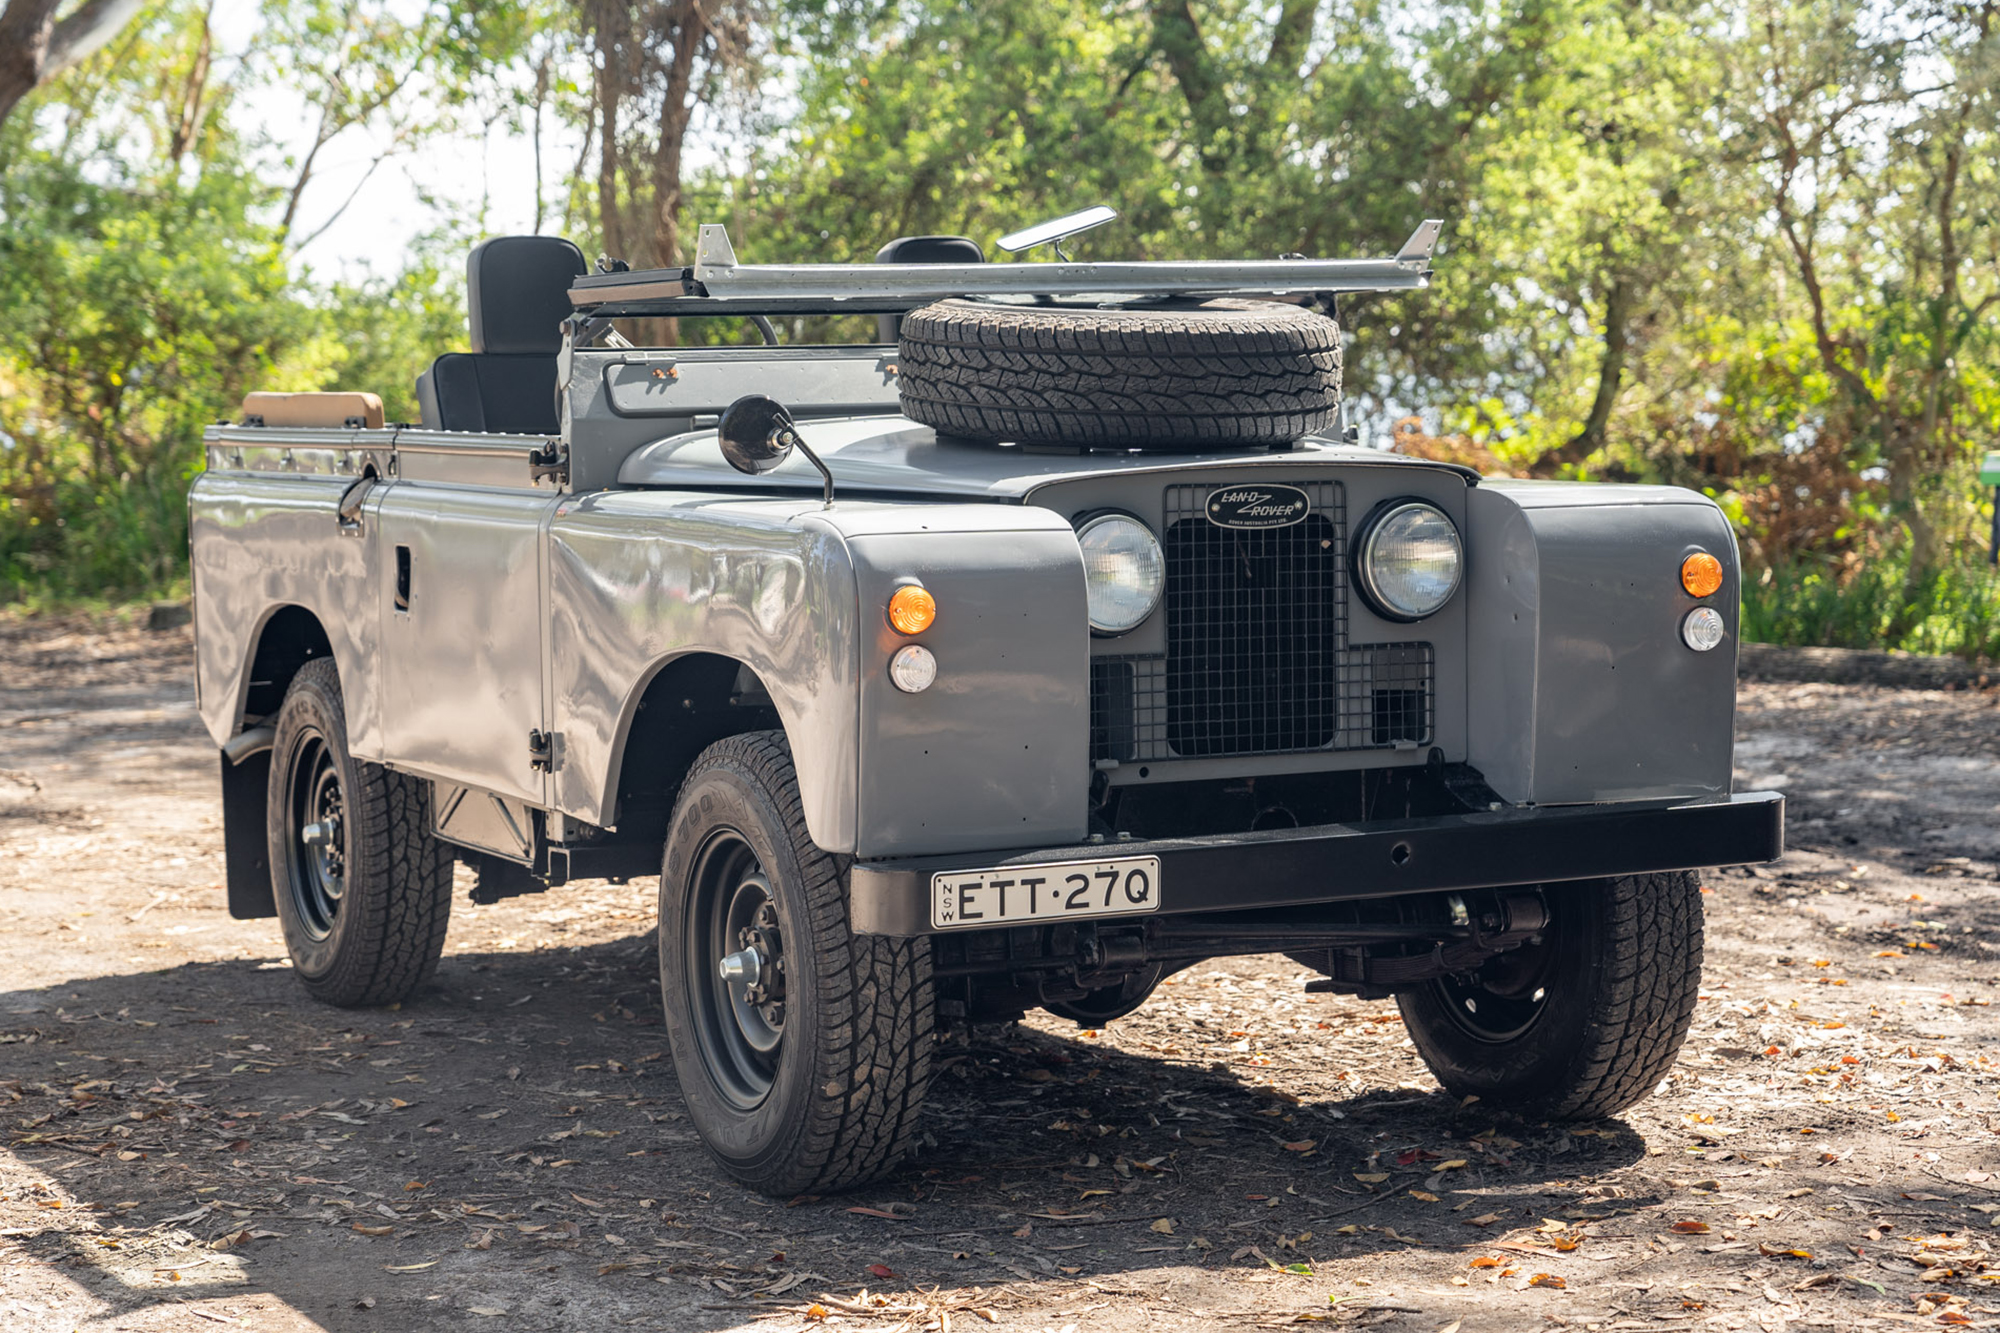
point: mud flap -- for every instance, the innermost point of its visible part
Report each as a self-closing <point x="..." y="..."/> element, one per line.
<point x="245" y="842"/>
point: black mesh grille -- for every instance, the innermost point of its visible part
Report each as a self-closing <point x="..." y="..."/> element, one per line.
<point x="1255" y="622"/>
<point x="1257" y="657"/>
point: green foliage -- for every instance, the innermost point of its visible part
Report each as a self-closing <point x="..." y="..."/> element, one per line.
<point x="1878" y="603"/>
<point x="1755" y="257"/>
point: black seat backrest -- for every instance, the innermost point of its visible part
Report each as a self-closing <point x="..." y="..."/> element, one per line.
<point x="516" y="298"/>
<point x="923" y="250"/>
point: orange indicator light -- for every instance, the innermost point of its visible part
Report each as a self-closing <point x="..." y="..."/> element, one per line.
<point x="912" y="609"/>
<point x="1701" y="574"/>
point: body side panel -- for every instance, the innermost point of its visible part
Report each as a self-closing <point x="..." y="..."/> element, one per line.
<point x="461" y="659"/>
<point x="259" y="543"/>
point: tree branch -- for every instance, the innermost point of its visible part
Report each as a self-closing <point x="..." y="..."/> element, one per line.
<point x="84" y="32"/>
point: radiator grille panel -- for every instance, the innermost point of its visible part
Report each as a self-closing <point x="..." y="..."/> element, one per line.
<point x="1257" y="657"/>
<point x="1255" y="624"/>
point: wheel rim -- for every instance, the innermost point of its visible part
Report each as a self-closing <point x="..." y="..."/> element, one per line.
<point x="733" y="926"/>
<point x="316" y="837"/>
<point x="1505" y="997"/>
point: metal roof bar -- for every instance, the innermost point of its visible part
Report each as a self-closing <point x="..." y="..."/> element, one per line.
<point x="719" y="284"/>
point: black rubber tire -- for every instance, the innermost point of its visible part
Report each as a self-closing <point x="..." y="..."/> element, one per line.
<point x="1221" y="374"/>
<point x="1622" y="971"/>
<point x="854" y="1060"/>
<point x="388" y="932"/>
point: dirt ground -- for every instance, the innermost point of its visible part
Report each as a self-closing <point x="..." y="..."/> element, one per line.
<point x="186" y="1142"/>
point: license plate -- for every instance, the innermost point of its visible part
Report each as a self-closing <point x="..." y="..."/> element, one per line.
<point x="1063" y="890"/>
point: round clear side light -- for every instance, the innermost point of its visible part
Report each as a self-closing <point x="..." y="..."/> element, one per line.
<point x="913" y="668"/>
<point x="1124" y="572"/>
<point x="1702" y="630"/>
<point x="1411" y="560"/>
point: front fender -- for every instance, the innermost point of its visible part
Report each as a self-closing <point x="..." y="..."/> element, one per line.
<point x="1580" y="687"/>
<point x="994" y="755"/>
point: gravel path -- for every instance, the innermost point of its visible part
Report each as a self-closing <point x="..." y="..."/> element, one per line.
<point x="187" y="1143"/>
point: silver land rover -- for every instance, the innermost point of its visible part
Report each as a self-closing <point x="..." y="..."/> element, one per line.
<point x="1054" y="641"/>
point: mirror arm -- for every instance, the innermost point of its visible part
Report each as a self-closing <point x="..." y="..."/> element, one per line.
<point x="791" y="436"/>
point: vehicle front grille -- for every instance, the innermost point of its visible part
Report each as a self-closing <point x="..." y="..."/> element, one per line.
<point x="1257" y="658"/>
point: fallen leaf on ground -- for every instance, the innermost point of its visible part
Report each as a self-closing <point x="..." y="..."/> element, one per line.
<point x="1548" y="1280"/>
<point x="1165" y="1226"/>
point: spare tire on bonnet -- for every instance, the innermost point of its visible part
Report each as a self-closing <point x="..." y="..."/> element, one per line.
<point x="1217" y="373"/>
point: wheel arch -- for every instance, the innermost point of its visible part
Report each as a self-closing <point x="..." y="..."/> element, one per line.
<point x="685" y="704"/>
<point x="289" y="636"/>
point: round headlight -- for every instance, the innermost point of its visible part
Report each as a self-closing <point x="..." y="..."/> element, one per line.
<point x="1124" y="571"/>
<point x="1410" y="560"/>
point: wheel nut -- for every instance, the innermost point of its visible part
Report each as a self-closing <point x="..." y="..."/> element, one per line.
<point x="745" y="965"/>
<point x="318" y="834"/>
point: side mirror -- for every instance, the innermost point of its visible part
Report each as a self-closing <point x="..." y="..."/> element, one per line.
<point x="757" y="435"/>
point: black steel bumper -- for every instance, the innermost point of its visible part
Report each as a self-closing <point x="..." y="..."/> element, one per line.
<point x="1337" y="862"/>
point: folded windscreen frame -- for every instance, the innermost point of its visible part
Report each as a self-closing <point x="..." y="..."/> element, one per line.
<point x="517" y="297"/>
<point x="718" y="284"/>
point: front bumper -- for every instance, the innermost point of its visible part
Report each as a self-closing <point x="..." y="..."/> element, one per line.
<point x="1383" y="859"/>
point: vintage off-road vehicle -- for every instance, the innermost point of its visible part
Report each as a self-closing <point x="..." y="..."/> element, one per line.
<point x="1054" y="642"/>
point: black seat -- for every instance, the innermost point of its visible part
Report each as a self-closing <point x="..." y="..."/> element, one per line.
<point x="923" y="250"/>
<point x="516" y="298"/>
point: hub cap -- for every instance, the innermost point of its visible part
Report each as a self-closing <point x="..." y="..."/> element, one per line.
<point x="316" y="837"/>
<point x="735" y="968"/>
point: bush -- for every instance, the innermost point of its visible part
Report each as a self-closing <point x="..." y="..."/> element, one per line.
<point x="1873" y="602"/>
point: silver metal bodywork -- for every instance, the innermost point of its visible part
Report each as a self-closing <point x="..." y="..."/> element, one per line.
<point x="538" y="609"/>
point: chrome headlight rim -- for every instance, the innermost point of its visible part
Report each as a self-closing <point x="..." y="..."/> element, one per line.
<point x="1366" y="575"/>
<point x="1101" y="625"/>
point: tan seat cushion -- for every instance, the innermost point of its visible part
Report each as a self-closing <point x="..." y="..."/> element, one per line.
<point x="336" y="410"/>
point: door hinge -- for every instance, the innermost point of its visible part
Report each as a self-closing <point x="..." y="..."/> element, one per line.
<point x="549" y="462"/>
<point x="545" y="751"/>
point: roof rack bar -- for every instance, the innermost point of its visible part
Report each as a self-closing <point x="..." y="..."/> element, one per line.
<point x="719" y="283"/>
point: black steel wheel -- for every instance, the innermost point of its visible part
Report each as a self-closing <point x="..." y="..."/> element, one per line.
<point x="1582" y="1021"/>
<point x="733" y="936"/>
<point x="803" y="1049"/>
<point x="315" y="833"/>
<point x="363" y="889"/>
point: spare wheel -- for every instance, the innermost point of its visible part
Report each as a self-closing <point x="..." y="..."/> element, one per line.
<point x="1215" y="373"/>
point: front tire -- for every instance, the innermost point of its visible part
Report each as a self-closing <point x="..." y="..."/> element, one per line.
<point x="363" y="887"/>
<point x="1584" y="1023"/>
<point x="803" y="1070"/>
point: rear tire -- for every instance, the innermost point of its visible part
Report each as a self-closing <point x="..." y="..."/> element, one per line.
<point x="1585" y="1023"/>
<point x="363" y="888"/>
<point x="806" y="1072"/>
<point x="1218" y="374"/>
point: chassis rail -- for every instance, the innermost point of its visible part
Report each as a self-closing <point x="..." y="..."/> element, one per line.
<point x="1382" y="859"/>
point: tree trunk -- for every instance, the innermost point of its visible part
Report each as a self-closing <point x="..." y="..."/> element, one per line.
<point x="25" y="29"/>
<point x="35" y="46"/>
<point x="189" y="119"/>
<point x="610" y="38"/>
<point x="1610" y="378"/>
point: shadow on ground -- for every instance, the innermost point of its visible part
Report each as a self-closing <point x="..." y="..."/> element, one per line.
<point x="513" y="1141"/>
